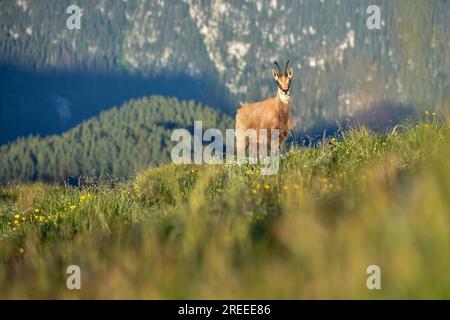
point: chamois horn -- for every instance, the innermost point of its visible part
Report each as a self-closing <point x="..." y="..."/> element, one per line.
<point x="278" y="67"/>
<point x="285" y="69"/>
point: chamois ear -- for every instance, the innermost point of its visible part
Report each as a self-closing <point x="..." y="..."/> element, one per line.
<point x="290" y="72"/>
<point x="274" y="74"/>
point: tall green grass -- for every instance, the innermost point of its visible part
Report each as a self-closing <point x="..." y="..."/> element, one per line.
<point x="311" y="231"/>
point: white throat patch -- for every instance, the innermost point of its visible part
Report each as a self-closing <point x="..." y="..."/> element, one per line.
<point x="283" y="96"/>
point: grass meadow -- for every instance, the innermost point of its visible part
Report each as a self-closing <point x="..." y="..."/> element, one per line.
<point x="224" y="232"/>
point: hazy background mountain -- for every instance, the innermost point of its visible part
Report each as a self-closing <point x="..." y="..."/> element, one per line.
<point x="219" y="53"/>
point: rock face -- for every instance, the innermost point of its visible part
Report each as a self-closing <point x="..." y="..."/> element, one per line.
<point x="230" y="46"/>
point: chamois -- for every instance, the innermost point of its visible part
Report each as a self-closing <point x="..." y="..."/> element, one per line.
<point x="272" y="113"/>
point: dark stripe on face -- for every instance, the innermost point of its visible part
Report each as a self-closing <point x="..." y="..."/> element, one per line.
<point x="285" y="91"/>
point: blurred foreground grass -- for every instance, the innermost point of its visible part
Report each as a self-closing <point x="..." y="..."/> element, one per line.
<point x="311" y="231"/>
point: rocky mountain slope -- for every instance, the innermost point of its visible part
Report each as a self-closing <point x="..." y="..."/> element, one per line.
<point x="227" y="48"/>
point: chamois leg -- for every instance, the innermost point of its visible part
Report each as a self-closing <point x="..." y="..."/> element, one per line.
<point x="241" y="145"/>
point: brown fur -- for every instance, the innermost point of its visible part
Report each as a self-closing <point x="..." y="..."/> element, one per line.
<point x="272" y="113"/>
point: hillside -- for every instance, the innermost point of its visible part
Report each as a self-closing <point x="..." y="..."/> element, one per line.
<point x="226" y="232"/>
<point x="118" y="142"/>
<point x="219" y="53"/>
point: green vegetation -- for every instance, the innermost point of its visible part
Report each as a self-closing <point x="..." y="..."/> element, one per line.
<point x="166" y="231"/>
<point x="118" y="142"/>
<point x="227" y="232"/>
<point x="226" y="46"/>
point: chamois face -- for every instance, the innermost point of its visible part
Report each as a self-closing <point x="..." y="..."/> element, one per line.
<point x="283" y="79"/>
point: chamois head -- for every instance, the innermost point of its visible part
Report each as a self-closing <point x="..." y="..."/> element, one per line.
<point x="283" y="79"/>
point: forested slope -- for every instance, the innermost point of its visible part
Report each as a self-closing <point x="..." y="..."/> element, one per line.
<point x="117" y="142"/>
<point x="225" y="49"/>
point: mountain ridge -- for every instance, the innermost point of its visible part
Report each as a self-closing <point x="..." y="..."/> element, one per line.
<point x="341" y="66"/>
<point x="118" y="142"/>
